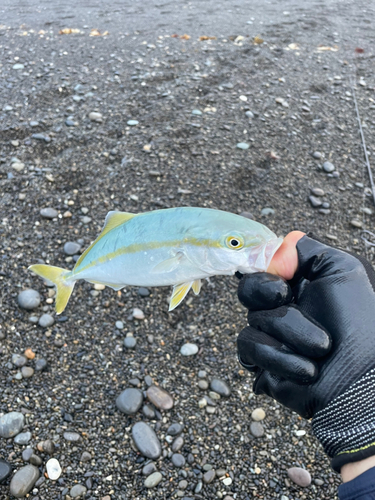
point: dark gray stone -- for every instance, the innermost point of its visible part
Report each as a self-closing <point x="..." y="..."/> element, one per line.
<point x="49" y="213"/>
<point x="220" y="387"/>
<point x="130" y="342"/>
<point x="153" y="480"/>
<point x="46" y="320"/>
<point x="5" y="470"/>
<point x="23" y="481"/>
<point x="175" y="429"/>
<point x="256" y="429"/>
<point x="178" y="460"/>
<point x="71" y="248"/>
<point x="28" y="299"/>
<point x="19" y="360"/>
<point x="78" y="490"/>
<point x="26" y="454"/>
<point x="149" y="469"/>
<point x="177" y="444"/>
<point x="129" y="401"/>
<point x="148" y="411"/>
<point x="40" y="364"/>
<point x="146" y="440"/>
<point x="23" y="438"/>
<point x="143" y="292"/>
<point x="315" y="202"/>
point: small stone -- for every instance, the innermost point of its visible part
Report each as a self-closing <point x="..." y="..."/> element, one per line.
<point x="148" y="411"/>
<point x="183" y="484"/>
<point x="18" y="167"/>
<point x="18" y="66"/>
<point x="356" y="223"/>
<point x="35" y="460"/>
<point x="23" y="438"/>
<point x="256" y="429"/>
<point x="248" y="215"/>
<point x="220" y="387"/>
<point x="317" y="192"/>
<point x="99" y="287"/>
<point x="34" y="123"/>
<point x="86" y="457"/>
<point x="153" y="480"/>
<point x="177" y="444"/>
<point x="28" y="299"/>
<point x="41" y="137"/>
<point x="86" y="220"/>
<point x="328" y="167"/>
<point x="149" y="469"/>
<point x="5" y="470"/>
<point x="317" y="155"/>
<point x="367" y="211"/>
<point x="227" y="481"/>
<point x="202" y="374"/>
<point x="189" y="349"/>
<point x="148" y="380"/>
<point x="130" y="342"/>
<point x="242" y="145"/>
<point x="202" y="403"/>
<point x="159" y="397"/>
<point x="95" y="117"/>
<point x="132" y="123"/>
<point x="11" y="424"/>
<point x="53" y="469"/>
<point x="284" y="497"/>
<point x="249" y="114"/>
<point x="47" y="446"/>
<point x="129" y="401"/>
<point x="319" y="482"/>
<point x="26" y="454"/>
<point x="299" y="476"/>
<point x="203" y="385"/>
<point x="46" y="320"/>
<point x="15" y="143"/>
<point x="178" y="460"/>
<point x="258" y="414"/>
<point x="324" y="211"/>
<point x="315" y="202"/>
<point x="29" y="353"/>
<point x="23" y="481"/>
<point x="19" y="360"/>
<point x="71" y="248"/>
<point x="267" y="211"/>
<point x="27" y="371"/>
<point x="196" y="112"/>
<point x="220" y="472"/>
<point x="146" y="440"/>
<point x="209" y="476"/>
<point x="78" y="490"/>
<point x="119" y="325"/>
<point x="174" y="429"/>
<point x="49" y="213"/>
<point x="143" y="292"/>
<point x="72" y="437"/>
<point x="40" y="364"/>
<point x="138" y="313"/>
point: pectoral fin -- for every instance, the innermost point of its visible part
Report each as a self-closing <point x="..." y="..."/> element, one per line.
<point x="168" y="265"/>
<point x="197" y="285"/>
<point x="178" y="294"/>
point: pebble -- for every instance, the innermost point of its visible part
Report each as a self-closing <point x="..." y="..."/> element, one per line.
<point x="29" y="353"/>
<point x="174" y="429"/>
<point x="249" y="114"/>
<point x="129" y="401"/>
<point x="49" y="213"/>
<point x="130" y="342"/>
<point x="41" y="137"/>
<point x="46" y="446"/>
<point x="153" y="480"/>
<point x="183" y="484"/>
<point x="18" y="66"/>
<point x="138" y="313"/>
<point x="178" y="460"/>
<point x="143" y="292"/>
<point x="258" y="414"/>
<point x="71" y="248"/>
<point x="18" y="167"/>
<point x="146" y="440"/>
<point x="78" y="490"/>
<point x="315" y="202"/>
<point x="86" y="220"/>
<point x="28" y="299"/>
<point x="367" y="211"/>
<point x="119" y="325"/>
<point x="5" y="470"/>
<point x="220" y="387"/>
<point x="177" y="444"/>
<point x="132" y="123"/>
<point x="11" y="424"/>
<point x="319" y="482"/>
<point x="159" y="397"/>
<point x="189" y="349"/>
<point x="227" y="481"/>
<point x="149" y="469"/>
<point x="27" y="371"/>
<point x="248" y="215"/>
<point x="19" y="360"/>
<point x="46" y="320"/>
<point x="34" y="123"/>
<point x="256" y="429"/>
<point x="242" y="145"/>
<point x="35" y="460"/>
<point x="53" y="469"/>
<point x="23" y="438"/>
<point x="328" y="167"/>
<point x="72" y="437"/>
<point x="317" y="192"/>
<point x="86" y="457"/>
<point x="356" y="223"/>
<point x="203" y="385"/>
<point x="23" y="481"/>
<point x="148" y="411"/>
<point x="317" y="155"/>
<point x="40" y="364"/>
<point x="283" y="497"/>
<point x="299" y="476"/>
<point x="95" y="117"/>
<point x="267" y="211"/>
<point x="196" y="112"/>
<point x="209" y="476"/>
<point x="26" y="454"/>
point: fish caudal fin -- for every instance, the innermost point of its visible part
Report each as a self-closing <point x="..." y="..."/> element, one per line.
<point x="57" y="276"/>
<point x="180" y="292"/>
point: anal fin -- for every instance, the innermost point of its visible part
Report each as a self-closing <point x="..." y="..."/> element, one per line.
<point x="178" y="294"/>
<point x="197" y="285"/>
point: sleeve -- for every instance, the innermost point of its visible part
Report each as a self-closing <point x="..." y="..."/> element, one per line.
<point x="360" y="488"/>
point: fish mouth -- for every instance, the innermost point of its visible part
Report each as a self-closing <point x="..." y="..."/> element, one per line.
<point x="260" y="257"/>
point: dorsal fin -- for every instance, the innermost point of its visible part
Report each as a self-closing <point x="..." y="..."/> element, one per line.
<point x="112" y="220"/>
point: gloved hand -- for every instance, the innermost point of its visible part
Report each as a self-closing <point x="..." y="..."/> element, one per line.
<point x="311" y="343"/>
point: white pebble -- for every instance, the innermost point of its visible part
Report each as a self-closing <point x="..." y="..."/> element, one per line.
<point x="189" y="349"/>
<point x="53" y="469"/>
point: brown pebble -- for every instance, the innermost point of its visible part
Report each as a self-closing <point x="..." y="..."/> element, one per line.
<point x="160" y="397"/>
<point x="29" y="353"/>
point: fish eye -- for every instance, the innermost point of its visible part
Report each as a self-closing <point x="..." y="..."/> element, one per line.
<point x="234" y="242"/>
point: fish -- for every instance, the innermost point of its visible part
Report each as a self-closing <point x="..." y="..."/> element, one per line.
<point x="175" y="246"/>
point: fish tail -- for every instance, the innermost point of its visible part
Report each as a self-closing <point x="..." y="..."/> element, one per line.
<point x="58" y="276"/>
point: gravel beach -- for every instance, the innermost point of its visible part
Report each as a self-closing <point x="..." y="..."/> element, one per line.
<point x="243" y="108"/>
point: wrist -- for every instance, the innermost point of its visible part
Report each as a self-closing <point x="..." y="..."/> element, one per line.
<point x="354" y="469"/>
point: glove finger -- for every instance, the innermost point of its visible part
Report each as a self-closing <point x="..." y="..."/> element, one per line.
<point x="291" y="327"/>
<point x="263" y="291"/>
<point x="260" y="349"/>
<point x="285" y="392"/>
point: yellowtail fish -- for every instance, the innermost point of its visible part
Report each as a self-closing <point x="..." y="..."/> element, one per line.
<point x="176" y="246"/>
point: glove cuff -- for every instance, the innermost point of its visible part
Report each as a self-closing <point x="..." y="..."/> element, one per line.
<point x="346" y="426"/>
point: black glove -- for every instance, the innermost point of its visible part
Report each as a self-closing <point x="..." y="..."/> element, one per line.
<point x="311" y="343"/>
